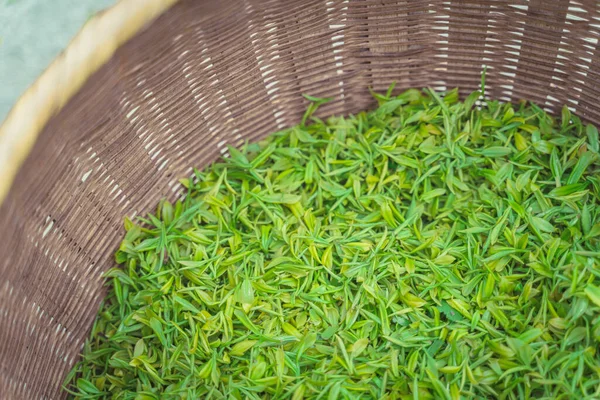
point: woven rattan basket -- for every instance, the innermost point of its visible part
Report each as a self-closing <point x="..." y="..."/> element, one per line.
<point x="171" y="84"/>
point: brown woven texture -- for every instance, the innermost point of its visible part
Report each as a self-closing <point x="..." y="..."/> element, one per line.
<point x="211" y="73"/>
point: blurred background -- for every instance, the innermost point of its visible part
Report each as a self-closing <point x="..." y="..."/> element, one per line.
<point x="32" y="33"/>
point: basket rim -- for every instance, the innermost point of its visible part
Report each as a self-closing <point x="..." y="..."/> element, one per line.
<point x="90" y="49"/>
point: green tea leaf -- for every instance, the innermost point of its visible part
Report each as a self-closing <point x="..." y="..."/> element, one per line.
<point x="495" y="152"/>
<point x="158" y="330"/>
<point x="281" y="198"/>
<point x="593" y="293"/>
<point x="541" y="224"/>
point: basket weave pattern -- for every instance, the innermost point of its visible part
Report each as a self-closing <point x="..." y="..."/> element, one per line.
<point x="210" y="73"/>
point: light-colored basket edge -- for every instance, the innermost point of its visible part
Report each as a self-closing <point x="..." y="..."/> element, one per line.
<point x="91" y="48"/>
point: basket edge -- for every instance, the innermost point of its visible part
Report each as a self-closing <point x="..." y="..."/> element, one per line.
<point x="91" y="48"/>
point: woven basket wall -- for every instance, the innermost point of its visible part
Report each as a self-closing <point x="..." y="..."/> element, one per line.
<point x="214" y="72"/>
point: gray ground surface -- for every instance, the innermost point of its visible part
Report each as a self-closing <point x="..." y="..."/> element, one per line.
<point x="32" y="33"/>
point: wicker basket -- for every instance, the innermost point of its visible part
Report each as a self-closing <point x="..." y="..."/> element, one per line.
<point x="77" y="154"/>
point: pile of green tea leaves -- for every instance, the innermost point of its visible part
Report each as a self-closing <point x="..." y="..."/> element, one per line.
<point x="430" y="248"/>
